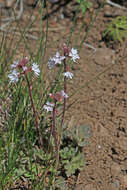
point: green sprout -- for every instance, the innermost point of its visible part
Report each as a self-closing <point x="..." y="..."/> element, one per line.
<point x="84" y="5"/>
<point x="117" y="29"/>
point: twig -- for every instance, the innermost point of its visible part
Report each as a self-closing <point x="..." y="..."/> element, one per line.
<point x="14" y="30"/>
<point x="15" y="18"/>
<point x="4" y="25"/>
<point x="38" y="29"/>
<point x="18" y="33"/>
<point x="90" y="46"/>
<point x="115" y="5"/>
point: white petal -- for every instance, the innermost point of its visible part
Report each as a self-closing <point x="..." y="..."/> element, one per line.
<point x="36" y="69"/>
<point x="74" y="54"/>
<point x="57" y="54"/>
<point x="68" y="74"/>
<point x="15" y="63"/>
<point x="64" y="94"/>
<point x="51" y="62"/>
<point x="49" y="104"/>
<point x="13" y="76"/>
<point x="48" y="108"/>
<point x="25" y="68"/>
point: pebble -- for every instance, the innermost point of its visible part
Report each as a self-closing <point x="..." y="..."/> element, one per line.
<point x="124" y="181"/>
<point x="107" y="11"/>
<point x="89" y="187"/>
<point x="123" y="143"/>
<point x="115" y="169"/>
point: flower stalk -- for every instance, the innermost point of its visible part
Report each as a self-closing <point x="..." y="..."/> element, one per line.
<point x="34" y="112"/>
<point x="22" y="68"/>
<point x="59" y="96"/>
<point x="64" y="104"/>
<point x="53" y="130"/>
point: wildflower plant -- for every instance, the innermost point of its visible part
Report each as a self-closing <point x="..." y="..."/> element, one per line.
<point x="60" y="96"/>
<point x="36" y="145"/>
<point x="21" y="71"/>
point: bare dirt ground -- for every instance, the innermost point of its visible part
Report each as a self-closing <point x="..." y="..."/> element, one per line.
<point x="100" y="83"/>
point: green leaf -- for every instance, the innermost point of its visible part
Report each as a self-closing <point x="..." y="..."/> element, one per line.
<point x="77" y="162"/>
<point x="84" y="5"/>
<point x="61" y="183"/>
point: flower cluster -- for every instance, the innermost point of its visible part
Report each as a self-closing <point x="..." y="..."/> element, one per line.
<point x="14" y="76"/>
<point x="49" y="106"/>
<point x="55" y="60"/>
<point x="58" y="96"/>
<point x="22" y="67"/>
<point x="74" y="54"/>
<point x="35" y="69"/>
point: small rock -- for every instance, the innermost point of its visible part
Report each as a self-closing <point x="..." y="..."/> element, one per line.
<point x="115" y="185"/>
<point x="99" y="146"/>
<point x="103" y="131"/>
<point x="107" y="11"/>
<point x="89" y="187"/>
<point x="124" y="181"/>
<point x="115" y="169"/>
<point x="9" y="3"/>
<point x="104" y="56"/>
<point x="118" y="12"/>
<point x="123" y="143"/>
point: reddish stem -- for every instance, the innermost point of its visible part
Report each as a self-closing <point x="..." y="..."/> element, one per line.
<point x="63" y="114"/>
<point x="53" y="130"/>
<point x="34" y="112"/>
<point x="65" y="90"/>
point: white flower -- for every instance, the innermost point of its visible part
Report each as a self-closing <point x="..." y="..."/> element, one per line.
<point x="49" y="106"/>
<point x="36" y="69"/>
<point x="68" y="74"/>
<point x="74" y="54"/>
<point x="57" y="59"/>
<point x="51" y="62"/>
<point x="13" y="76"/>
<point x="14" y="65"/>
<point x="64" y="94"/>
